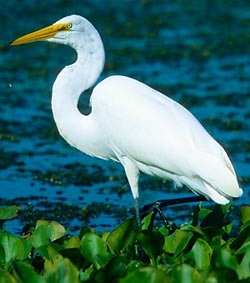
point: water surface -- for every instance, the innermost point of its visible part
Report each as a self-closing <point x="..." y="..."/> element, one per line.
<point x="196" y="52"/>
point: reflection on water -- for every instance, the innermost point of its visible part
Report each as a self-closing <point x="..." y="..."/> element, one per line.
<point x="196" y="53"/>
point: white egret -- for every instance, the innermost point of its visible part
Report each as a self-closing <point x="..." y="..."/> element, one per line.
<point x="132" y="123"/>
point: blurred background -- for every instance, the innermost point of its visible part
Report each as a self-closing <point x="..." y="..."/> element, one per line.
<point x="196" y="52"/>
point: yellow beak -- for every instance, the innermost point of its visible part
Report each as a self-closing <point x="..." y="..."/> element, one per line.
<point x="42" y="34"/>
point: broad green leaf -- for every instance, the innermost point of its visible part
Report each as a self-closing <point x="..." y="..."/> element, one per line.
<point x="203" y="213"/>
<point x="24" y="272"/>
<point x="244" y="248"/>
<point x="201" y="254"/>
<point x="53" y="255"/>
<point x="56" y="230"/>
<point x="46" y="231"/>
<point x="41" y="234"/>
<point x="245" y="214"/>
<point x="99" y="276"/>
<point x="105" y="236"/>
<point x="2" y="254"/>
<point x="94" y="249"/>
<point x="14" y="247"/>
<point x="185" y="274"/>
<point x="147" y="275"/>
<point x="116" y="268"/>
<point x="242" y="237"/>
<point x="73" y="242"/>
<point x="245" y="265"/>
<point x="122" y="237"/>
<point x="223" y="275"/>
<point x="177" y="242"/>
<point x="215" y="218"/>
<point x="63" y="272"/>
<point x="75" y="256"/>
<point x="6" y="277"/>
<point x="50" y="255"/>
<point x="9" y="212"/>
<point x="228" y="228"/>
<point x="84" y="275"/>
<point x="151" y="242"/>
<point x="135" y="265"/>
<point x="223" y="258"/>
<point x="191" y="228"/>
<point x="85" y="230"/>
<point x="164" y="231"/>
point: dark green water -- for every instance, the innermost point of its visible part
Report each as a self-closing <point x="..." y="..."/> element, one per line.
<point x="197" y="52"/>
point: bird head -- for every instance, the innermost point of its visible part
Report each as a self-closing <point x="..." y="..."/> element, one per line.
<point x="59" y="32"/>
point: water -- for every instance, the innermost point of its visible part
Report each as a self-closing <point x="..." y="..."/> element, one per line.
<point x="197" y="52"/>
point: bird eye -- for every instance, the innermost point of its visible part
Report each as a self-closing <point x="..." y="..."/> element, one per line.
<point x="68" y="26"/>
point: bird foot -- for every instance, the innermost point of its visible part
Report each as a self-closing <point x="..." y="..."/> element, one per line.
<point x="156" y="207"/>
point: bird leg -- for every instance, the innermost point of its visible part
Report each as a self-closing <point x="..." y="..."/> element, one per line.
<point x="132" y="174"/>
<point x="157" y="206"/>
<point x="137" y="212"/>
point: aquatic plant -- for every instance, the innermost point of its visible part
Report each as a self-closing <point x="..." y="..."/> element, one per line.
<point x="209" y="248"/>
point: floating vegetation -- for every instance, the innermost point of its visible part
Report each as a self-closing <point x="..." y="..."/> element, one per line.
<point x="208" y="247"/>
<point x="226" y="125"/>
<point x="7" y="159"/>
<point x="75" y="174"/>
<point x="7" y="137"/>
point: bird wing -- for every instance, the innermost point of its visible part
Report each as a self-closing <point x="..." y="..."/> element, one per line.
<point x="153" y="130"/>
<point x="141" y="123"/>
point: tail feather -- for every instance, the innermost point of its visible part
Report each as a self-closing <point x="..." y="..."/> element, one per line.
<point x="200" y="187"/>
<point x="214" y="177"/>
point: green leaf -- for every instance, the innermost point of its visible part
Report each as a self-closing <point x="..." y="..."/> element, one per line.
<point x="228" y="228"/>
<point x="146" y="222"/>
<point x="94" y="249"/>
<point x="177" y="242"/>
<point x="223" y="275"/>
<point x="73" y="242"/>
<point x="116" y="268"/>
<point x="122" y="237"/>
<point x="244" y="248"/>
<point x="203" y="213"/>
<point x="190" y="228"/>
<point x="75" y="256"/>
<point x="201" y="254"/>
<point x="46" y="231"/>
<point x="223" y="258"/>
<point x="6" y="277"/>
<point x="50" y="255"/>
<point x="245" y="214"/>
<point x="147" y="275"/>
<point x="13" y="247"/>
<point x="151" y="242"/>
<point x="56" y="230"/>
<point x="242" y="237"/>
<point x="245" y="265"/>
<point x="9" y="212"/>
<point x="185" y="274"/>
<point x="63" y="272"/>
<point x="215" y="218"/>
<point x="134" y="265"/>
<point x="24" y="272"/>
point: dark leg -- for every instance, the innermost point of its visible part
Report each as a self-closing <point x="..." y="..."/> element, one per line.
<point x="158" y="205"/>
<point x="137" y="212"/>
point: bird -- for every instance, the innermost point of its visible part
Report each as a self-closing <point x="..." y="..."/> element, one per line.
<point x="130" y="122"/>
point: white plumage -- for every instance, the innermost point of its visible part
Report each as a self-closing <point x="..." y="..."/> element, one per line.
<point x="132" y="123"/>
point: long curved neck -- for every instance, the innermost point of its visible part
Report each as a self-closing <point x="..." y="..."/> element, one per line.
<point x="77" y="129"/>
